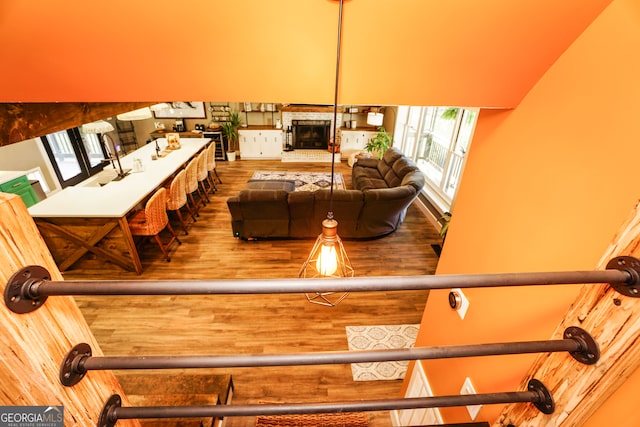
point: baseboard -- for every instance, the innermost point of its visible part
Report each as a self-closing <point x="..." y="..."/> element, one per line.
<point x="429" y="211"/>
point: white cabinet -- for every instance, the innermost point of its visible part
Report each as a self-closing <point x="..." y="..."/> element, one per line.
<point x="260" y="144"/>
<point x="354" y="140"/>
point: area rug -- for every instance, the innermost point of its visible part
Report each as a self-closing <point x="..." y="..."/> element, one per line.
<point x="349" y="419"/>
<point x="304" y="181"/>
<point x="313" y="156"/>
<point x="378" y="338"/>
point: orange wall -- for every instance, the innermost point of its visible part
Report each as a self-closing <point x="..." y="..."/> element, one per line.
<point x="401" y="52"/>
<point x="546" y="186"/>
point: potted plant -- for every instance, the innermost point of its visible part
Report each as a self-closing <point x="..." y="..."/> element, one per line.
<point x="379" y="143"/>
<point x="230" y="131"/>
<point x="444" y="221"/>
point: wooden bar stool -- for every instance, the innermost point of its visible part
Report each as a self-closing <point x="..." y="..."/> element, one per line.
<point x="152" y="220"/>
<point x="192" y="188"/>
<point x="178" y="199"/>
<point x="211" y="166"/>
<point x="203" y="176"/>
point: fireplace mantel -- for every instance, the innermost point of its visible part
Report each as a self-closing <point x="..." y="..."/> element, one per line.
<point x="310" y="109"/>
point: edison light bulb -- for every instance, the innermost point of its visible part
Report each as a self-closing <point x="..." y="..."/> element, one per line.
<point x="327" y="262"/>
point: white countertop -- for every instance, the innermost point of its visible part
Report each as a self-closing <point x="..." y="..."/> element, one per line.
<point x="115" y="199"/>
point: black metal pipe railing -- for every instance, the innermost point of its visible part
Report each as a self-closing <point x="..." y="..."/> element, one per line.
<point x="354" y="284"/>
<point x="537" y="394"/>
<point x="355" y="406"/>
<point x="28" y="288"/>
<point x="79" y="360"/>
<point x="323" y="358"/>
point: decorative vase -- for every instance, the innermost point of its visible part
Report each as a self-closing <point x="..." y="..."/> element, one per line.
<point x="231" y="156"/>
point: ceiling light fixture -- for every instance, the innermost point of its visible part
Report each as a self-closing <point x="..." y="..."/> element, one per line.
<point x="139" y="114"/>
<point x="160" y="107"/>
<point x="328" y="258"/>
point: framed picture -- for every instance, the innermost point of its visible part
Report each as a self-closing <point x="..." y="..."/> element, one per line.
<point x="182" y="110"/>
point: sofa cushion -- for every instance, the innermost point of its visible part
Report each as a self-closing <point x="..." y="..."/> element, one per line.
<point x="414" y="179"/>
<point x="384" y="209"/>
<point x="264" y="212"/>
<point x="365" y="183"/>
<point x="347" y="205"/>
<point x="301" y="208"/>
<point x="389" y="168"/>
<point x="391" y="155"/>
<point x="364" y="178"/>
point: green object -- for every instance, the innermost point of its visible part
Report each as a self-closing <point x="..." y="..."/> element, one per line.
<point x="380" y="143"/>
<point x="445" y="219"/>
<point x="21" y="187"/>
<point x="230" y="130"/>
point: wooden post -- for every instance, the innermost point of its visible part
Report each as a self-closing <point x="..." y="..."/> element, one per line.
<point x="33" y="345"/>
<point x="614" y="322"/>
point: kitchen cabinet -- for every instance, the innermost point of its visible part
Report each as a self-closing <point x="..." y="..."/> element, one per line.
<point x="21" y="187"/>
<point x="355" y="140"/>
<point x="260" y="143"/>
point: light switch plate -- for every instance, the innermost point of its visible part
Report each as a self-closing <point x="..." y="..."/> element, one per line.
<point x="468" y="388"/>
<point x="464" y="303"/>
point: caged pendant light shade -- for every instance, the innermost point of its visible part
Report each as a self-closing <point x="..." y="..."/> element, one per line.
<point x="328" y="258"/>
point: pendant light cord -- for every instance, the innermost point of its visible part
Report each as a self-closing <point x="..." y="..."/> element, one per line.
<point x="335" y="112"/>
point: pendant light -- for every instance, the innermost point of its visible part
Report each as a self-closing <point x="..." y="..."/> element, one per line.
<point x="143" y="113"/>
<point x="328" y="258"/>
<point x="139" y="114"/>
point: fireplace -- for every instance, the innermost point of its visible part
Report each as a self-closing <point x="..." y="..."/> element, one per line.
<point x="311" y="134"/>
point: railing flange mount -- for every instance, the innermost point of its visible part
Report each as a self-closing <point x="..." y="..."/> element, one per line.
<point x="589" y="352"/>
<point x="546" y="405"/>
<point x="106" y="419"/>
<point x="16" y="295"/>
<point x="70" y="371"/>
<point x="631" y="265"/>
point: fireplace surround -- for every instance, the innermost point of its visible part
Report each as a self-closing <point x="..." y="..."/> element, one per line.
<point x="311" y="134"/>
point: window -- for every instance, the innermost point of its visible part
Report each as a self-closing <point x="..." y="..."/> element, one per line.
<point x="75" y="156"/>
<point x="437" y="139"/>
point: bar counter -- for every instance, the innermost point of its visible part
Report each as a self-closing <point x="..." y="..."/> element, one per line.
<point x="86" y="226"/>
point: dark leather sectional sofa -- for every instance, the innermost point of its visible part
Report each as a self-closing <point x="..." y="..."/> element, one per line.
<point x="382" y="191"/>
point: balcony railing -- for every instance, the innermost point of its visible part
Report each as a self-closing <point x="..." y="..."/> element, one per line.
<point x="29" y="288"/>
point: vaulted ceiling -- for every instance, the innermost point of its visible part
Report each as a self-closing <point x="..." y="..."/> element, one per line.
<point x="485" y="53"/>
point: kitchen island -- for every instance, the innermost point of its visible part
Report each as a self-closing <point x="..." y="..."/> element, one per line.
<point x="85" y="226"/>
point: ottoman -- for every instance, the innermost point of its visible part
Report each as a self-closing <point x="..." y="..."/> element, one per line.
<point x="267" y="184"/>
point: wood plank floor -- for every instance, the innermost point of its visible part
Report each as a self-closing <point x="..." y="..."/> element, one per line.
<point x="204" y="325"/>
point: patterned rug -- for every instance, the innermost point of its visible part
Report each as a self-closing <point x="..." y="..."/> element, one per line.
<point x="304" y="181"/>
<point x="378" y="338"/>
<point x="306" y="156"/>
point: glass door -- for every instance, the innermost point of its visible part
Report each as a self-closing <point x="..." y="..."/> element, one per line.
<point x="75" y="156"/>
